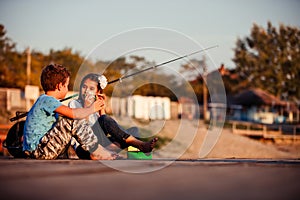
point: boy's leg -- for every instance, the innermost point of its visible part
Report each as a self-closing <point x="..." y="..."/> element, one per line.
<point x="84" y="134"/>
<point x="56" y="141"/>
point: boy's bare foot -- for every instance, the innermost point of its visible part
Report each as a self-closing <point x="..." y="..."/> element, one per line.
<point x="113" y="147"/>
<point x="103" y="154"/>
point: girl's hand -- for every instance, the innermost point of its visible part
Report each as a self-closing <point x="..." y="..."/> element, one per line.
<point x="102" y="97"/>
<point x="89" y="99"/>
<point x="98" y="105"/>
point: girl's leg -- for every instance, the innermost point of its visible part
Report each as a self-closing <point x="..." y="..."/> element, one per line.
<point x="134" y="131"/>
<point x="145" y="147"/>
<point x="110" y="126"/>
<point x="101" y="135"/>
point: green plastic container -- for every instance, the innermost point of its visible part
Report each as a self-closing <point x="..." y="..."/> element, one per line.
<point x="138" y="155"/>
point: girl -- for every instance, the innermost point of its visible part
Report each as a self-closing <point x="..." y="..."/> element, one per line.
<point x="109" y="133"/>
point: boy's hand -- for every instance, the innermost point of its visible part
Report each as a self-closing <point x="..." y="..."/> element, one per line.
<point x="98" y="105"/>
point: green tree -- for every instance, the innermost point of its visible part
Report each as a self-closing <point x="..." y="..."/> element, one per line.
<point x="195" y="70"/>
<point x="155" y="84"/>
<point x="270" y="59"/>
<point x="37" y="63"/>
<point x="114" y="70"/>
<point x="12" y="69"/>
<point x="66" y="57"/>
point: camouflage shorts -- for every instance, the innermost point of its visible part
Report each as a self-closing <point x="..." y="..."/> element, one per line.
<point x="55" y="142"/>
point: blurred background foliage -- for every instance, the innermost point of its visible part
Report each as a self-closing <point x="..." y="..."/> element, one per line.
<point x="269" y="58"/>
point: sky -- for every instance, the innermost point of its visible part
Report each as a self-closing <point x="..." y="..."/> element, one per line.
<point x="176" y="27"/>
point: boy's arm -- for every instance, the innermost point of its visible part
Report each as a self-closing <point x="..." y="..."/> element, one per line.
<point x="79" y="113"/>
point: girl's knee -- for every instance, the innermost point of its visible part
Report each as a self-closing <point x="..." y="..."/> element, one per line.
<point x="134" y="131"/>
<point x="103" y="118"/>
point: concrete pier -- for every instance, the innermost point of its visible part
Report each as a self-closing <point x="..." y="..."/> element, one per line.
<point x="179" y="179"/>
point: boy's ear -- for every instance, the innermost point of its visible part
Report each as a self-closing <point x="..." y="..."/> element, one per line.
<point x="58" y="86"/>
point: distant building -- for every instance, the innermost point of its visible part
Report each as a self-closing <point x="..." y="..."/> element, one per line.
<point x="10" y="101"/>
<point x="253" y="104"/>
<point x="10" y="98"/>
<point x="142" y="107"/>
<point x="260" y="106"/>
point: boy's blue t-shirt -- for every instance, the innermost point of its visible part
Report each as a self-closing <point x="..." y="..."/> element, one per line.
<point x="40" y="119"/>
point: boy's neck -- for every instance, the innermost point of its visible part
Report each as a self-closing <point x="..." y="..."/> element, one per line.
<point x="54" y="94"/>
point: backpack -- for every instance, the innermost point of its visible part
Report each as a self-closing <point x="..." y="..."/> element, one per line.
<point x="14" y="140"/>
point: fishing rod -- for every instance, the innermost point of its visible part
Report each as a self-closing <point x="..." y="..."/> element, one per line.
<point x="149" y="68"/>
<point x="159" y="65"/>
<point x="21" y="115"/>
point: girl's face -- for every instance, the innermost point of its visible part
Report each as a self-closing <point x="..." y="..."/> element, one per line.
<point x="89" y="87"/>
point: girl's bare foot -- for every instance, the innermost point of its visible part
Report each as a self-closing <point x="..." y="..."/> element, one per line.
<point x="145" y="147"/>
<point x="103" y="154"/>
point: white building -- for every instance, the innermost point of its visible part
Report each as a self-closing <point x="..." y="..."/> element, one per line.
<point x="142" y="107"/>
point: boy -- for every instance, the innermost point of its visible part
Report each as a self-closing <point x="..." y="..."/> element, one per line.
<point x="45" y="135"/>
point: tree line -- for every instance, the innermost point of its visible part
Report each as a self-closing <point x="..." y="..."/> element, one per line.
<point x="13" y="66"/>
<point x="269" y="58"/>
